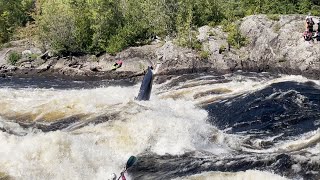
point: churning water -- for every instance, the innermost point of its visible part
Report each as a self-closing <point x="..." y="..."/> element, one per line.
<point x="198" y="126"/>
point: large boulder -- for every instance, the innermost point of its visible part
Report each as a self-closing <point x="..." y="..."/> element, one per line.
<point x="275" y="45"/>
<point x="175" y="59"/>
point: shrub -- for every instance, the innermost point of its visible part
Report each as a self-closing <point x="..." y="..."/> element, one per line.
<point x="204" y="54"/>
<point x="222" y="48"/>
<point x="32" y="56"/>
<point x="93" y="58"/>
<point x="225" y="25"/>
<point x="25" y="32"/>
<point x="14" y="57"/>
<point x="276" y="28"/>
<point x="212" y="33"/>
<point x="235" y="38"/>
<point x="196" y="45"/>
<point x="274" y="17"/>
<point x="125" y="37"/>
<point x="5" y="45"/>
<point x="213" y="24"/>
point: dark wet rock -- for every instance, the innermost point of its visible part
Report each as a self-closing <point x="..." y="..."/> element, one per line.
<point x="283" y="163"/>
<point x="152" y="166"/>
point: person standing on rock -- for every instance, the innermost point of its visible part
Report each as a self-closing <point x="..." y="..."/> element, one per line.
<point x="317" y="35"/>
<point x="309" y="29"/>
<point x="309" y="24"/>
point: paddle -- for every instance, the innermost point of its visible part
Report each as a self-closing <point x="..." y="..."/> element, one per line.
<point x="129" y="164"/>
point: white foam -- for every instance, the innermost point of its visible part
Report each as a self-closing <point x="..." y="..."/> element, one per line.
<point x="50" y="104"/>
<point x="94" y="152"/>
<point x="238" y="85"/>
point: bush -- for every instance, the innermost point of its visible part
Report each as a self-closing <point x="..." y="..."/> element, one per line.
<point x="117" y="43"/>
<point x="212" y="33"/>
<point x="274" y="17"/>
<point x="5" y="45"/>
<point x="225" y="25"/>
<point x="13" y="14"/>
<point x="204" y="54"/>
<point x="14" y="57"/>
<point x="25" y="32"/>
<point x="222" y="48"/>
<point x="32" y="56"/>
<point x="276" y="28"/>
<point x="235" y="38"/>
<point x="125" y="37"/>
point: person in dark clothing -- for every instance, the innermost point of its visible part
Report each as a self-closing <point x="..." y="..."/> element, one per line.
<point x="309" y="24"/>
<point x="317" y="35"/>
<point x="308" y="33"/>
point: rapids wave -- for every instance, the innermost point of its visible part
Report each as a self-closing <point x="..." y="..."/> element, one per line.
<point x="196" y="126"/>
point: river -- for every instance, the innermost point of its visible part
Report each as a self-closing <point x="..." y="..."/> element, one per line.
<point x="195" y="126"/>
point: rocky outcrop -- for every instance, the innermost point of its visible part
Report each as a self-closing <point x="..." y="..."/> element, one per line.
<point x="274" y="45"/>
<point x="280" y="45"/>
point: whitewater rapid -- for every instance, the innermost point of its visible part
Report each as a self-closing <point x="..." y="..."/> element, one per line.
<point x="96" y="129"/>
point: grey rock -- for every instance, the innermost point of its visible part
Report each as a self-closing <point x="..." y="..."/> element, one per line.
<point x="26" y="53"/>
<point x="35" y="50"/>
<point x="12" y="68"/>
<point x="203" y="33"/>
<point x="26" y="65"/>
<point x="272" y="45"/>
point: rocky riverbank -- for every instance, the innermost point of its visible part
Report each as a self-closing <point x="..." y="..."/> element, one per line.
<point x="274" y="45"/>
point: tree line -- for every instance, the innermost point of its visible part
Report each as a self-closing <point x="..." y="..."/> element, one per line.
<point x="95" y="26"/>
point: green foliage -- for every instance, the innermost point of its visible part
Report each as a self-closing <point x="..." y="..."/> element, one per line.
<point x="228" y="26"/>
<point x="235" y="38"/>
<point x="14" y="57"/>
<point x="82" y="26"/>
<point x="24" y="32"/>
<point x="274" y="17"/>
<point x="204" y="54"/>
<point x="276" y="28"/>
<point x="13" y="13"/>
<point x="93" y="58"/>
<point x="222" y="48"/>
<point x="5" y="45"/>
<point x="212" y="33"/>
<point x="59" y="29"/>
<point x="32" y="56"/>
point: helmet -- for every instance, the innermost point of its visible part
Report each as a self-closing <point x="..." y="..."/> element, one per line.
<point x="113" y="176"/>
